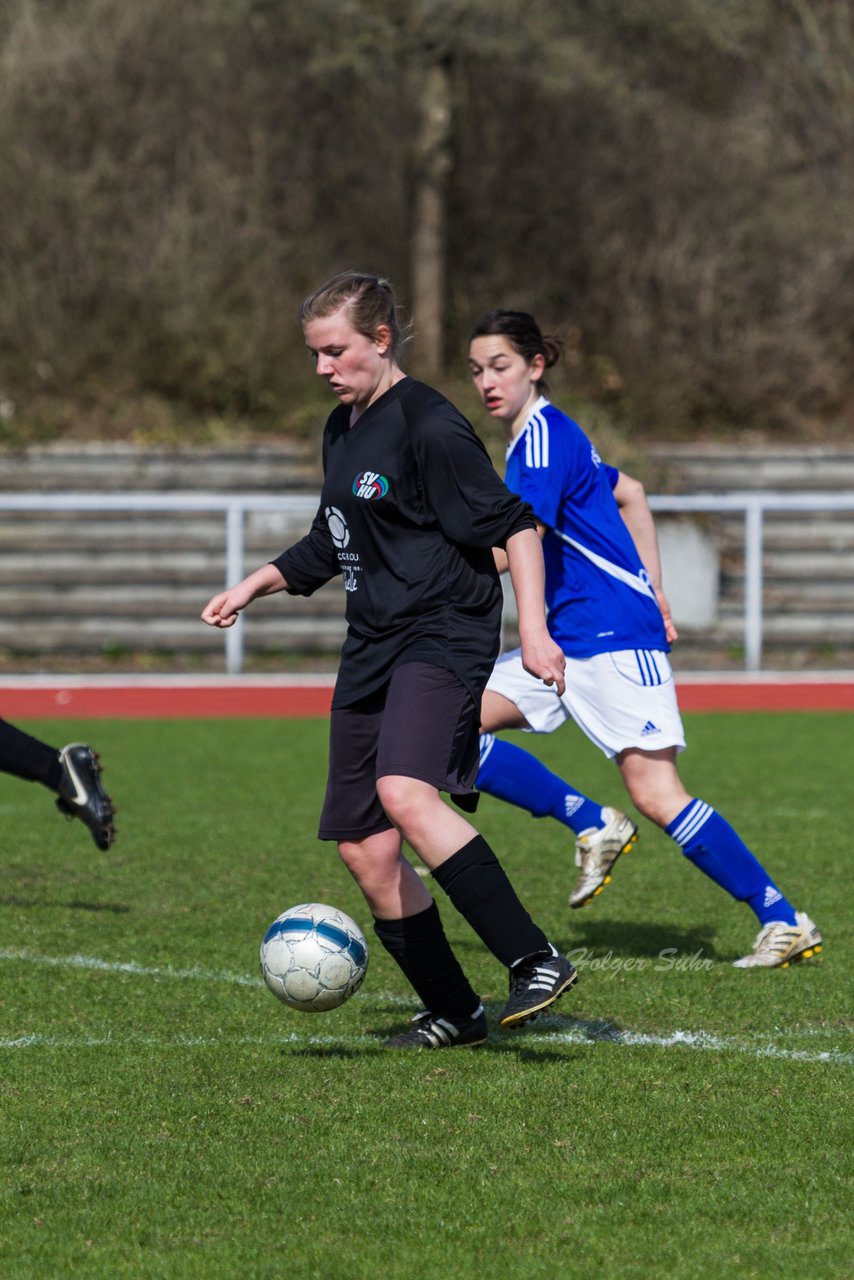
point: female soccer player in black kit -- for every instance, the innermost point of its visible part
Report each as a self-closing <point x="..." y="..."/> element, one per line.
<point x="410" y="510"/>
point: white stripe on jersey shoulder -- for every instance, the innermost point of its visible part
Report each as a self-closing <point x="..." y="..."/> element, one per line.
<point x="535" y="435"/>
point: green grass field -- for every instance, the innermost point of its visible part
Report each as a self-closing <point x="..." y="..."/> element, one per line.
<point x="161" y="1115"/>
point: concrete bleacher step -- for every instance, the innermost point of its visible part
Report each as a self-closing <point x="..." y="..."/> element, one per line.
<point x="143" y="599"/>
<point x="105" y="468"/>
<point x="716" y="468"/>
<point x="94" y="635"/>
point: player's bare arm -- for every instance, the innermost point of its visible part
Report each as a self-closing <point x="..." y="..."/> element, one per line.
<point x="223" y="608"/>
<point x="540" y="655"/>
<point x="638" y="519"/>
<point x="499" y="555"/>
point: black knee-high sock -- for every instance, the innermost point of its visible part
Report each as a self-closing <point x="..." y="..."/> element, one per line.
<point x="477" y="885"/>
<point x="419" y="946"/>
<point x="28" y="758"/>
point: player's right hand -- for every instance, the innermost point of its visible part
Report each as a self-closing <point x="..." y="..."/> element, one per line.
<point x="222" y="610"/>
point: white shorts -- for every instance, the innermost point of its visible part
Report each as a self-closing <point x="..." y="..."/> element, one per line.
<point x="620" y="700"/>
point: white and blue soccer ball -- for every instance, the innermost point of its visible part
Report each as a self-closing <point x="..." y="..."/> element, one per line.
<point x="314" y="957"/>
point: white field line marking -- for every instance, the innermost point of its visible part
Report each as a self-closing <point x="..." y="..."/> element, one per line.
<point x="114" y="966"/>
<point x="581" y="1032"/>
<point x="762" y="1047"/>
<point x="23" y="956"/>
<point x="577" y="1036"/>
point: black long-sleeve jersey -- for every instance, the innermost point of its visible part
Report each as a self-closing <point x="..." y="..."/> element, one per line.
<point x="409" y="512"/>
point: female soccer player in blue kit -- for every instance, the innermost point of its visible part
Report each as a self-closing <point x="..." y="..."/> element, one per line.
<point x="606" y="612"/>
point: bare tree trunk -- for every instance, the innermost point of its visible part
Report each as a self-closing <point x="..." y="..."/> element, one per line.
<point x="432" y="164"/>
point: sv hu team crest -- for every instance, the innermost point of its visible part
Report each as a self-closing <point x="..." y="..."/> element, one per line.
<point x="370" y="485"/>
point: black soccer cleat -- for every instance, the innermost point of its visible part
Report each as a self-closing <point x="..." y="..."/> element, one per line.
<point x="429" y="1032"/>
<point x="535" y="983"/>
<point x="81" y="794"/>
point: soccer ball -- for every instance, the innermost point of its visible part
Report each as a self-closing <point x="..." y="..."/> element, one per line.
<point x="313" y="957"/>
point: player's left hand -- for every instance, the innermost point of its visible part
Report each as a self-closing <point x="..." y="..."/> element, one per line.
<point x="542" y="658"/>
<point x="669" y="625"/>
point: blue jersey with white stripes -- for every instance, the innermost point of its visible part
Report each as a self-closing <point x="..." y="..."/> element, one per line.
<point x="598" y="593"/>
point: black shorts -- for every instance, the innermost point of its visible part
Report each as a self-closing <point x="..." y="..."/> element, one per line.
<point x="423" y="724"/>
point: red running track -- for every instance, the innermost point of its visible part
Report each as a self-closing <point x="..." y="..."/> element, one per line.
<point x="150" y="699"/>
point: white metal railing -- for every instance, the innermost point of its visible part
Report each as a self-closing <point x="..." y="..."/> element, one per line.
<point x="754" y="506"/>
<point x="235" y="506"/>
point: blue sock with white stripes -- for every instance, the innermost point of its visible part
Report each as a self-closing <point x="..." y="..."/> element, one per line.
<point x="719" y="852"/>
<point x="513" y="774"/>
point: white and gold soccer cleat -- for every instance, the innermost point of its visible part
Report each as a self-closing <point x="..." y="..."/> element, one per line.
<point x="596" y="851"/>
<point x="778" y="944"/>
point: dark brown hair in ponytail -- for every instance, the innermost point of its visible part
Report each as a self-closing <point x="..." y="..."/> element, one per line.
<point x="523" y="333"/>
